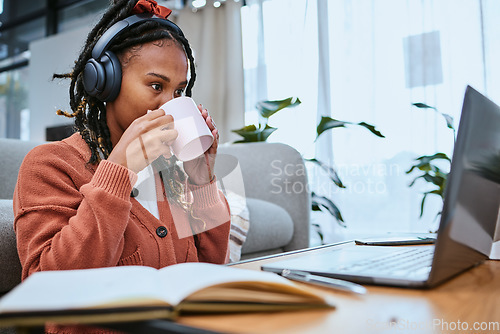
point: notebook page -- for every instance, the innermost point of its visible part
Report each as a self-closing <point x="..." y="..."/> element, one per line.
<point x="188" y="278"/>
<point x="73" y="289"/>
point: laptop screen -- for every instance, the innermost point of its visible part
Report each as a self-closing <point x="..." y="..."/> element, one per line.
<point x="472" y="195"/>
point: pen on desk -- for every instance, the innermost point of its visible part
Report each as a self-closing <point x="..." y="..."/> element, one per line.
<point x="328" y="282"/>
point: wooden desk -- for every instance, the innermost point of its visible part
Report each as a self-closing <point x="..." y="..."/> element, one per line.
<point x="468" y="303"/>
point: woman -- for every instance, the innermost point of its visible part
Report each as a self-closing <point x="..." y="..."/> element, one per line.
<point x="74" y="202"/>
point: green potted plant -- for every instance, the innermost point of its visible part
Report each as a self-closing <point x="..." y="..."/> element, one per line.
<point x="323" y="203"/>
<point x="261" y="131"/>
<point x="427" y="166"/>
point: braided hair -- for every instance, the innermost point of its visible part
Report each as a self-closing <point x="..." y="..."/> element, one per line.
<point x="90" y="113"/>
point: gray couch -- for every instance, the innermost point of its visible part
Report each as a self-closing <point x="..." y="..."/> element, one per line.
<point x="274" y="187"/>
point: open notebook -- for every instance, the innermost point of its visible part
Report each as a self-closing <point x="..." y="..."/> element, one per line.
<point x="128" y="293"/>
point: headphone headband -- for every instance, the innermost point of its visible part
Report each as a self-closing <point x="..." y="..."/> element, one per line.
<point x="102" y="74"/>
<point x="116" y="29"/>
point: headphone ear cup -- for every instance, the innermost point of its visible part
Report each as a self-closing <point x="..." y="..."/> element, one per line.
<point x="93" y="77"/>
<point x="102" y="79"/>
<point x="112" y="77"/>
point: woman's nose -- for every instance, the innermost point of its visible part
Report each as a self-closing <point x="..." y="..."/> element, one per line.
<point x="172" y="94"/>
<point x="168" y="96"/>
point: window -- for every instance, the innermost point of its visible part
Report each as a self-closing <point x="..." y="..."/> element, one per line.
<point x="371" y="51"/>
<point x="13" y="102"/>
<point x="23" y="22"/>
<point x="80" y="14"/>
<point x="280" y="60"/>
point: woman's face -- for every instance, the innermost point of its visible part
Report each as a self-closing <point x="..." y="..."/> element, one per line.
<point x="152" y="74"/>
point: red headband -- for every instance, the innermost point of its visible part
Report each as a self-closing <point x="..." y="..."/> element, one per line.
<point x="150" y="6"/>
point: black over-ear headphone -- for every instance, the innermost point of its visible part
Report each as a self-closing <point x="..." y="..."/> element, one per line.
<point x="102" y="75"/>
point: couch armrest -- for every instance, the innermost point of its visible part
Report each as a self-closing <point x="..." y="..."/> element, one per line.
<point x="10" y="274"/>
<point x="273" y="172"/>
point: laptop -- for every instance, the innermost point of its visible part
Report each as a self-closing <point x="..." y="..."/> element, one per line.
<point x="468" y="220"/>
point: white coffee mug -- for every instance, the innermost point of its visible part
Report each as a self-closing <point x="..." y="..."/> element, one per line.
<point x="194" y="137"/>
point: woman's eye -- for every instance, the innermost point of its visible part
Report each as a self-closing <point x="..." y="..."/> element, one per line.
<point x="179" y="92"/>
<point x="156" y="87"/>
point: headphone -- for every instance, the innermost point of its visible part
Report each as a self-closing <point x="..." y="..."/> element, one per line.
<point x="102" y="75"/>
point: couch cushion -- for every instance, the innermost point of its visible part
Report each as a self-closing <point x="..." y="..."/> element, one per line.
<point x="10" y="273"/>
<point x="272" y="172"/>
<point x="270" y="226"/>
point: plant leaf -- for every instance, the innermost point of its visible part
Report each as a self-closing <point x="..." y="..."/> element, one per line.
<point x="422" y="165"/>
<point x="317" y="229"/>
<point x="321" y="201"/>
<point x="251" y="133"/>
<point x="415" y="180"/>
<point x="328" y="123"/>
<point x="433" y="192"/>
<point x="245" y="129"/>
<point x="448" y="118"/>
<point x="332" y="173"/>
<point x="422" y="205"/>
<point x="268" y="108"/>
<point x="411" y="170"/>
<point x="266" y="132"/>
<point x="424" y="162"/>
<point x="372" y="129"/>
<point x="315" y="206"/>
<point x="423" y="106"/>
<point x="449" y="121"/>
<point x="429" y="158"/>
<point x="436" y="180"/>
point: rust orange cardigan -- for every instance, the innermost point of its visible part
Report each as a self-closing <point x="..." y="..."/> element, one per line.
<point x="71" y="215"/>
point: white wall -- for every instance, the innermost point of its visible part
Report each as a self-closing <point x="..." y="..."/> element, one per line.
<point x="55" y="54"/>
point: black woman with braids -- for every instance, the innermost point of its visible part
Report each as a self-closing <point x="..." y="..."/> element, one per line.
<point x="112" y="194"/>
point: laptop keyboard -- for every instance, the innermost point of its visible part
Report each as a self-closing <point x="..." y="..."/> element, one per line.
<point x="404" y="262"/>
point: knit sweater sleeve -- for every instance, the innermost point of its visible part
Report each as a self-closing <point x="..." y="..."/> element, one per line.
<point x="211" y="224"/>
<point x="63" y="220"/>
